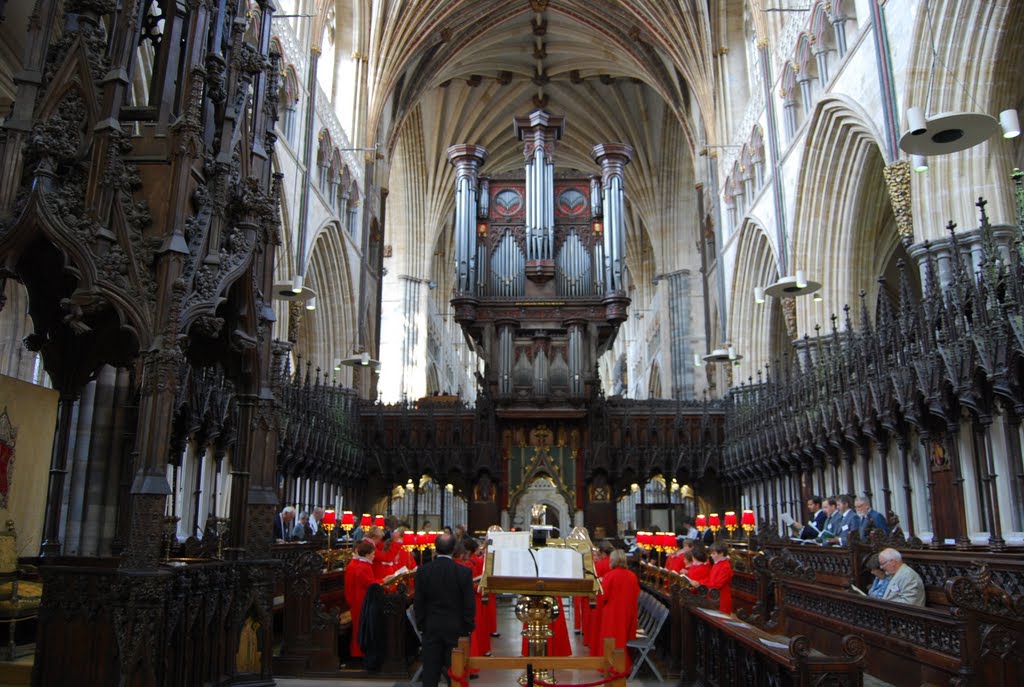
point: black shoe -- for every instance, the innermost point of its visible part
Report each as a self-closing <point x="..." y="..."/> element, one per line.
<point x="495" y="634"/>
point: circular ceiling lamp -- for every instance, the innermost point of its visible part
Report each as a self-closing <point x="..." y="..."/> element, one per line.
<point x="949" y="132"/>
<point x="295" y="291"/>
<point x="720" y="355"/>
<point x="359" y="360"/>
<point x="790" y="287"/>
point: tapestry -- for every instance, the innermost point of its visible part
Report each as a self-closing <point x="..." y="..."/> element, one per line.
<point x="28" y="417"/>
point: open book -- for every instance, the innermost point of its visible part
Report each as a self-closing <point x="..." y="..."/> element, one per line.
<point x="397" y="573"/>
<point x="855" y="588"/>
<point x="546" y="562"/>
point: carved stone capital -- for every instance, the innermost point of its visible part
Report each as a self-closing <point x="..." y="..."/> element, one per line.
<point x="897" y="179"/>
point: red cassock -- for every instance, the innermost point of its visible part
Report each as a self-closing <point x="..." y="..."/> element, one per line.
<point x="676" y="562"/>
<point x="480" y="640"/>
<point x="592" y="616"/>
<point x="721" y="579"/>
<point x="358" y="578"/>
<point x="384" y="561"/>
<point x="558" y="642"/>
<point x="699" y="573"/>
<point x="618" y="607"/>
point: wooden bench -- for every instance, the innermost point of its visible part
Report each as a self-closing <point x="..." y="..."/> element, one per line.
<point x="721" y="651"/>
<point x="907" y="645"/>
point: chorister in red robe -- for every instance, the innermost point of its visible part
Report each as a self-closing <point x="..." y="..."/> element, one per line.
<point x="480" y="640"/>
<point x="358" y="578"/>
<point x="699" y="572"/>
<point x="592" y="616"/>
<point x="676" y="561"/>
<point x="618" y="606"/>
<point x="721" y="579"/>
<point x="558" y="642"/>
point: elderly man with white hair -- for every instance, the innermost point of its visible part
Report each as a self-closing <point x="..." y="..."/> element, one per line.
<point x="905" y="585"/>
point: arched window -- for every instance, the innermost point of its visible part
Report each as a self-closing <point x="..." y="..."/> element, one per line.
<point x="288" y="104"/>
<point x="790" y="99"/>
<point x="824" y="41"/>
<point x="333" y="180"/>
<point x="323" y="160"/>
<point x="757" y="156"/>
<point x="806" y="72"/>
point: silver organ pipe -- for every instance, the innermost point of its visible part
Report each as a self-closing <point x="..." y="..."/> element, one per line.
<point x="613" y="158"/>
<point x="508" y="269"/>
<point x="484" y="204"/>
<point x="467" y="160"/>
<point x="576" y="362"/>
<point x="574" y="268"/>
<point x="505" y="355"/>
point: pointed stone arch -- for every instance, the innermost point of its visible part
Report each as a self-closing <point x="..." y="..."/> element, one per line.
<point x="764" y="324"/>
<point x="843" y="219"/>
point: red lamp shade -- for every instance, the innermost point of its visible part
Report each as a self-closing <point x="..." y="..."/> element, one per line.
<point x="378" y="520"/>
<point x="666" y="540"/>
<point x="347" y="519"/>
<point x="730" y="519"/>
<point x="330" y="517"/>
<point x="365" y="521"/>
<point x="421" y="538"/>
<point x="748" y="518"/>
<point x="713" y="520"/>
<point x="702" y="521"/>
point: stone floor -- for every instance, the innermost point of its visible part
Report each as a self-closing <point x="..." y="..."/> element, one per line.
<point x="508" y="645"/>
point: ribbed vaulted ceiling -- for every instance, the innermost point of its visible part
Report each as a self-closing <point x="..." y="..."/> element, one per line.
<point x="459" y="71"/>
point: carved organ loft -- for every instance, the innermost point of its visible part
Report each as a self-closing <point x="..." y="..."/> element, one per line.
<point x="540" y="271"/>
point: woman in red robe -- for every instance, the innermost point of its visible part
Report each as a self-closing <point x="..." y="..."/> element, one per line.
<point x="721" y="576"/>
<point x="618" y="603"/>
<point x="358" y="578"/>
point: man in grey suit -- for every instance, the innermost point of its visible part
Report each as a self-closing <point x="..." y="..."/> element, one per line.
<point x="905" y="585"/>
<point x="445" y="608"/>
<point x="839" y="532"/>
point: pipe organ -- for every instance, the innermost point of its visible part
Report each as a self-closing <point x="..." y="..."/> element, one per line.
<point x="539" y="266"/>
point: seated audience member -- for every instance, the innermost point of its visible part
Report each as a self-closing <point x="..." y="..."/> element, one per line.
<point x="618" y="604"/>
<point x="358" y="578"/>
<point x="816" y="525"/>
<point x="905" y="585"/>
<point x="877" y="589"/>
<point x="721" y="576"/>
<point x="302" y="530"/>
<point x="284" y="523"/>
<point x="867" y="514"/>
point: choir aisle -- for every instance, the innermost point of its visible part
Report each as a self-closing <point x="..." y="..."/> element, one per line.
<point x="508" y="644"/>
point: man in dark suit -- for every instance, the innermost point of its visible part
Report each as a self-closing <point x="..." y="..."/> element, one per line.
<point x="816" y="525"/>
<point x="445" y="606"/>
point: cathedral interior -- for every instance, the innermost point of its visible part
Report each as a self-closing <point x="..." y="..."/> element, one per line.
<point x="613" y="264"/>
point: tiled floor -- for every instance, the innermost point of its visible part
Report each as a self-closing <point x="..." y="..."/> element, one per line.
<point x="506" y="645"/>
